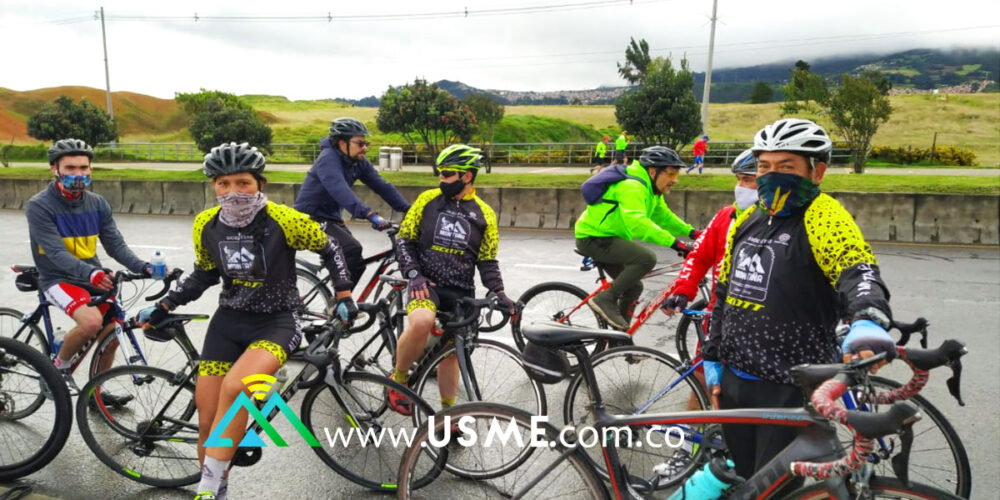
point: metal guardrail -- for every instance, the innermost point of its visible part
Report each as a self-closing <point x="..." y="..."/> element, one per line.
<point x="555" y="153"/>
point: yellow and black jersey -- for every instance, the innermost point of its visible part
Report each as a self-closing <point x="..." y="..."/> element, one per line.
<point x="257" y="263"/>
<point x="446" y="239"/>
<point x="785" y="282"/>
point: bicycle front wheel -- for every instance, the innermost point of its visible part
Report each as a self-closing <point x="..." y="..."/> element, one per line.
<point x="32" y="438"/>
<point x="561" y="302"/>
<point x="881" y="487"/>
<point x="173" y="355"/>
<point x="686" y="340"/>
<point x="13" y="326"/>
<point x="316" y="299"/>
<point x="553" y="470"/>
<point x="153" y="437"/>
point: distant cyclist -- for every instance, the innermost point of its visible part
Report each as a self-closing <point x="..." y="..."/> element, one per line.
<point x="446" y="236"/>
<point x="621" y="144"/>
<point x="65" y="221"/>
<point x="795" y="265"/>
<point x="601" y="152"/>
<point x="326" y="191"/>
<point x="249" y="243"/>
<point x="632" y="209"/>
<point x="698" y="150"/>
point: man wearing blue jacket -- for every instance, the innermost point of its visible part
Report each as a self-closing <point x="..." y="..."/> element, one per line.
<point x="327" y="188"/>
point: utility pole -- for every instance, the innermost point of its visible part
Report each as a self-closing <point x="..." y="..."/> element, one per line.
<point x="708" y="72"/>
<point x="107" y="74"/>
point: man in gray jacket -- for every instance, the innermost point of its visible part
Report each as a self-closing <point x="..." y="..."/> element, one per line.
<point x="64" y="223"/>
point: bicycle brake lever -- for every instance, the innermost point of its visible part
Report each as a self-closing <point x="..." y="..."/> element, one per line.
<point x="955" y="382"/>
<point x="901" y="462"/>
<point x="923" y="338"/>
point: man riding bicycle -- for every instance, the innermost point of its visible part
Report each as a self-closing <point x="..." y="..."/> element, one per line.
<point x="327" y="188"/>
<point x="65" y="221"/>
<point x="632" y="209"/>
<point x="795" y="264"/>
<point x="447" y="234"/>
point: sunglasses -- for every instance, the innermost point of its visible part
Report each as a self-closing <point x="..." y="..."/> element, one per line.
<point x="361" y="144"/>
<point x="447" y="174"/>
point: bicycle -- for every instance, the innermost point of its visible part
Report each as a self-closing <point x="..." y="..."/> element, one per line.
<point x="133" y="348"/>
<point x="816" y="451"/>
<point x="655" y="382"/>
<point x="566" y="303"/>
<point x="32" y="438"/>
<point x="155" y="443"/>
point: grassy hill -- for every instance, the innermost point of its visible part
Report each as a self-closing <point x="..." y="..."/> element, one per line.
<point x="966" y="120"/>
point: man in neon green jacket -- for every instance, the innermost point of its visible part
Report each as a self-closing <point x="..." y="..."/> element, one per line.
<point x="632" y="209"/>
<point x="620" y="144"/>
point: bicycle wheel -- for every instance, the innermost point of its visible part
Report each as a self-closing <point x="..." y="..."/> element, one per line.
<point x="937" y="457"/>
<point x="881" y="487"/>
<point x="500" y="375"/>
<point x="639" y="378"/>
<point x="355" y="418"/>
<point x="174" y="355"/>
<point x="31" y="438"/>
<point x="560" y="469"/>
<point x="317" y="301"/>
<point x="555" y="301"/>
<point x="11" y="327"/>
<point x="154" y="438"/>
<point x="686" y="339"/>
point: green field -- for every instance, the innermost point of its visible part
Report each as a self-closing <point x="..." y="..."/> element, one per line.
<point x="868" y="183"/>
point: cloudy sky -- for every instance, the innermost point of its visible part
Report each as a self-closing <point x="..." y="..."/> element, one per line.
<point x="292" y="49"/>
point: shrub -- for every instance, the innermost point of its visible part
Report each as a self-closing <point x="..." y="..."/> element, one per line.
<point x="909" y="155"/>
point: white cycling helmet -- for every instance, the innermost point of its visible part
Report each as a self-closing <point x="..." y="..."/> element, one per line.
<point x="795" y="135"/>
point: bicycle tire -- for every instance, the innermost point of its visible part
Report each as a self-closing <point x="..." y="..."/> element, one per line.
<point x="317" y="300"/>
<point x="111" y="426"/>
<point x="956" y="476"/>
<point x="572" y="295"/>
<point x="619" y="363"/>
<point x="681" y="343"/>
<point x="584" y="483"/>
<point x="339" y="416"/>
<point x="11" y="321"/>
<point x="61" y="421"/>
<point x="148" y="346"/>
<point x="535" y="390"/>
<point x="889" y="487"/>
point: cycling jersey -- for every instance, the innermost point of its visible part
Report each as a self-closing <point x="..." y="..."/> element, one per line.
<point x="707" y="254"/>
<point x="327" y="187"/>
<point x="257" y="262"/>
<point x="445" y="239"/>
<point x="699" y="148"/>
<point x="632" y="212"/>
<point x="601" y="150"/>
<point x="63" y="235"/>
<point x="783" y="285"/>
<point x="621" y="143"/>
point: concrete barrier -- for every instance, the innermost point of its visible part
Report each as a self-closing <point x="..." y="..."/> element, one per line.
<point x="111" y="191"/>
<point x="183" y="198"/>
<point x="886" y="217"/>
<point x="571" y="205"/>
<point x="142" y="197"/>
<point x="954" y="219"/>
<point x="698" y="207"/>
<point x="8" y="197"/>
<point x="24" y="189"/>
<point x="529" y="207"/>
<point x="283" y="193"/>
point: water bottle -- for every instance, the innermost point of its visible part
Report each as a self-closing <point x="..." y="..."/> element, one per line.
<point x="158" y="265"/>
<point x="58" y="337"/>
<point x="435" y="337"/>
<point x="709" y="483"/>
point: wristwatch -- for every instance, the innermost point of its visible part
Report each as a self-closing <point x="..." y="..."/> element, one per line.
<point x="412" y="273"/>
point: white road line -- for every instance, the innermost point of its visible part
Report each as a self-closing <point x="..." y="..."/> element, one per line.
<point x="543" y="170"/>
<point x="547" y="266"/>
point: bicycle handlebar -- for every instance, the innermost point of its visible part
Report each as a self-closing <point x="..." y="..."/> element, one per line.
<point x="116" y="280"/>
<point x="170" y="278"/>
<point x="472" y="309"/>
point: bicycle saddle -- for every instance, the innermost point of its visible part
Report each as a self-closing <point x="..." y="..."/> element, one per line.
<point x="558" y="335"/>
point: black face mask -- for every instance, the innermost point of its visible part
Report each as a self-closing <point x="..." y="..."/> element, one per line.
<point x="451" y="189"/>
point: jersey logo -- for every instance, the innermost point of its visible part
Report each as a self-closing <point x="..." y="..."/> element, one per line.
<point x="750" y="277"/>
<point x="452" y="231"/>
<point x="241" y="262"/>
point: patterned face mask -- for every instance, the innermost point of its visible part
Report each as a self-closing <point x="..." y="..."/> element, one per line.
<point x="238" y="209"/>
<point x="782" y="193"/>
<point x="74" y="183"/>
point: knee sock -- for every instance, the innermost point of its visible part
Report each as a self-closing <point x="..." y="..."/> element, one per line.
<point x="223" y="493"/>
<point x="400" y="376"/>
<point x="699" y="169"/>
<point x="211" y="474"/>
<point x="447" y="402"/>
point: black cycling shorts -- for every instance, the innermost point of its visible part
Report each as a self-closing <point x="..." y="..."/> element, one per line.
<point x="231" y="333"/>
<point x="441" y="299"/>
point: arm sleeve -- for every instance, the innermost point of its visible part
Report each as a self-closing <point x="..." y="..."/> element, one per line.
<point x="668" y="220"/>
<point x="205" y="273"/>
<point x="704" y="256"/>
<point x="408" y="238"/>
<point x="640" y="226"/>
<point x="42" y="231"/>
<point x="114" y="243"/>
<point x="332" y="178"/>
<point x="486" y="261"/>
<point x="387" y="191"/>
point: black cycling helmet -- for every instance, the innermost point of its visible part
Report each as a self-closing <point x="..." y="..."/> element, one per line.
<point x="233" y="158"/>
<point x="69" y="147"/>
<point x="347" y="127"/>
<point x="660" y="157"/>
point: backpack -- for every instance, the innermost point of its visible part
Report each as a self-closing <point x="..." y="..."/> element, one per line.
<point x="593" y="189"/>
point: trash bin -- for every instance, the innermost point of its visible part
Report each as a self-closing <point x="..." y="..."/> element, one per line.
<point x="383" y="158"/>
<point x="395" y="159"/>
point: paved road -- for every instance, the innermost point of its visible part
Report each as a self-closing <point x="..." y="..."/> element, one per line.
<point x="552" y="169"/>
<point x="957" y="288"/>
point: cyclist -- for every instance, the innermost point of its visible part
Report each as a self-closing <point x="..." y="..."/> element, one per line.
<point x="632" y="209"/>
<point x="326" y="190"/>
<point x="250" y="243"/>
<point x="621" y="143"/>
<point x="601" y="152"/>
<point x="65" y="221"/>
<point x="698" y="150"/>
<point x="447" y="234"/>
<point x="795" y="264"/>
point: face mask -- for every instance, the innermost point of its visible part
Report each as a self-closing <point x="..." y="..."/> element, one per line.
<point x="451" y="189"/>
<point x="745" y="197"/>
<point x="73" y="183"/>
<point x="782" y="193"/>
<point x="238" y="209"/>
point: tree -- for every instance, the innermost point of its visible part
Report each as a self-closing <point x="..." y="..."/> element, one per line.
<point x="63" y="118"/>
<point x="857" y="107"/>
<point x="218" y="117"/>
<point x="663" y="110"/>
<point x="423" y="109"/>
<point x="806" y="91"/>
<point x="761" y="93"/>
<point x="637" y="61"/>
<point x="488" y="113"/>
